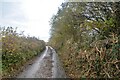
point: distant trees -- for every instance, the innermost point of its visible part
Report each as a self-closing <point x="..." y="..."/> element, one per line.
<point x="86" y="36"/>
<point x="17" y="49"/>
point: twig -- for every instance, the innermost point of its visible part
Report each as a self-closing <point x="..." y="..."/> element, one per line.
<point x="107" y="73"/>
<point x="117" y="67"/>
<point x="114" y="62"/>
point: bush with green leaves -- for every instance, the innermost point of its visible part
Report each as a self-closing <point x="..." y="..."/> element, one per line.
<point x="17" y="50"/>
<point x="87" y="39"/>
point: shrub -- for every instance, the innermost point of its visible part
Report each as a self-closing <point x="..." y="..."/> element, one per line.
<point x="17" y="50"/>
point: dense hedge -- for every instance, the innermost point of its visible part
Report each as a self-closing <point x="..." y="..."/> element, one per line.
<point x="87" y="39"/>
<point x="95" y="61"/>
<point x="17" y="49"/>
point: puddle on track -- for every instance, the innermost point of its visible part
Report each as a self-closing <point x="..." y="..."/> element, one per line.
<point x="45" y="66"/>
<point x="30" y="71"/>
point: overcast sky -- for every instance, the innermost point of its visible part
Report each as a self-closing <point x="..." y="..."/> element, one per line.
<point x="31" y="16"/>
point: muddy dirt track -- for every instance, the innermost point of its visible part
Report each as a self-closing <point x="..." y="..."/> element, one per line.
<point x="47" y="65"/>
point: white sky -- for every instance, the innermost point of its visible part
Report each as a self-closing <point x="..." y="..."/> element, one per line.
<point x="31" y="16"/>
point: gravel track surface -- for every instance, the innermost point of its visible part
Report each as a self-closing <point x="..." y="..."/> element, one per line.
<point x="45" y="66"/>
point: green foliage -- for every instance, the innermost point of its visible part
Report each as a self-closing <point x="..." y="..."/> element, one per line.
<point x="17" y="50"/>
<point x="86" y="38"/>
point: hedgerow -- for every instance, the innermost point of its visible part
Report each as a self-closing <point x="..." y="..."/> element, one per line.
<point x="87" y="39"/>
<point x="17" y="49"/>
